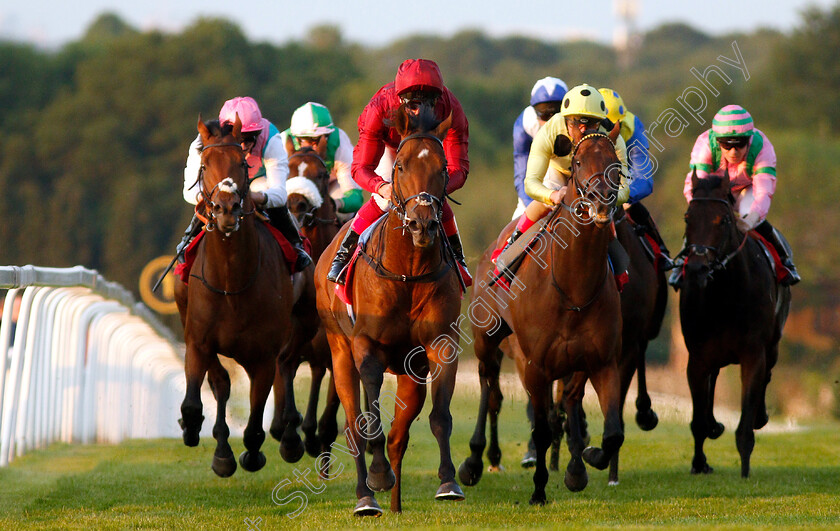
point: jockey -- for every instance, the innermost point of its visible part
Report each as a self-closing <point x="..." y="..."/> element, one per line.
<point x="417" y="80"/>
<point x="583" y="111"/>
<point x="641" y="176"/>
<point x="312" y="126"/>
<point x="546" y="97"/>
<point x="266" y="156"/>
<point x="734" y="146"/>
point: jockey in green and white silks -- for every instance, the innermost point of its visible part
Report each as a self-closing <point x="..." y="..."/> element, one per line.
<point x="312" y="125"/>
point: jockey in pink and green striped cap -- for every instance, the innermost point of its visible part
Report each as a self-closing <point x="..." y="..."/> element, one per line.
<point x="734" y="147"/>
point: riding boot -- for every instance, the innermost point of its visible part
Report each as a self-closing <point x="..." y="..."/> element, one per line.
<point x="676" y="278"/>
<point x="337" y="272"/>
<point x="458" y="250"/>
<point x="640" y="214"/>
<point x="281" y="219"/>
<point x="191" y="232"/>
<point x="620" y="261"/>
<point x="771" y="234"/>
<point x="513" y="237"/>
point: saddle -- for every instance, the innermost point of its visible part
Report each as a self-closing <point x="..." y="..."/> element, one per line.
<point x="182" y="270"/>
<point x="779" y="270"/>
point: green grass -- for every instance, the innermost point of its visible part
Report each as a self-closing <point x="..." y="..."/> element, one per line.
<point x="160" y="484"/>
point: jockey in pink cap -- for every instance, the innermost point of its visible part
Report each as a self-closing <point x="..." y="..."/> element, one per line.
<point x="734" y="147"/>
<point x="266" y="156"/>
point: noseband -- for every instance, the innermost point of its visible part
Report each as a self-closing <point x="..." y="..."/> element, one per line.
<point x="423" y="198"/>
<point x="704" y="251"/>
<point x="582" y="204"/>
<point x="211" y="223"/>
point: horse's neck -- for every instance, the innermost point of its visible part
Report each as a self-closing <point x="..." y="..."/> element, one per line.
<point x="400" y="256"/>
<point x="231" y="253"/>
<point x="579" y="257"/>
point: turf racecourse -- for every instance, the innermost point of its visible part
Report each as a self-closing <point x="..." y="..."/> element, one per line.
<point x="161" y="484"/>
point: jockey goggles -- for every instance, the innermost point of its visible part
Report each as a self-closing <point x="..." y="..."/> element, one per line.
<point x="415" y="98"/>
<point x="733" y="142"/>
<point x="546" y="110"/>
<point x="250" y="137"/>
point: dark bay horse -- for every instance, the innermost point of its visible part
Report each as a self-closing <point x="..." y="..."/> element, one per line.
<point x="239" y="303"/>
<point x="565" y="312"/>
<point x="732" y="310"/>
<point x="315" y="211"/>
<point x="405" y="296"/>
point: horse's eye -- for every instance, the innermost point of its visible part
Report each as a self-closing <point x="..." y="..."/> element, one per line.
<point x="399" y="166"/>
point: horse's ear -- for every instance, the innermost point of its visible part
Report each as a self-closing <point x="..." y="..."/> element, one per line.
<point x="725" y="184"/>
<point x="203" y="130"/>
<point x="398" y="120"/>
<point x="614" y="132"/>
<point x="443" y="127"/>
<point x="237" y="129"/>
<point x="290" y="145"/>
<point x="562" y="145"/>
<point x="694" y="180"/>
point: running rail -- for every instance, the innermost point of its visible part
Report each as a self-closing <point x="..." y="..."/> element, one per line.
<point x="84" y="363"/>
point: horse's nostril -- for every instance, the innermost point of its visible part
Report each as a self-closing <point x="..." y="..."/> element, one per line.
<point x="414" y="225"/>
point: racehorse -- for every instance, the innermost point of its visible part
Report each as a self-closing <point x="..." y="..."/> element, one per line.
<point x="237" y="304"/>
<point x="405" y="295"/>
<point x="643" y="302"/>
<point x="315" y="211"/>
<point x="565" y="313"/>
<point x="732" y="310"/>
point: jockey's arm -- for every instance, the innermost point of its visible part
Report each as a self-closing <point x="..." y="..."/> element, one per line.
<point x="623" y="192"/>
<point x="542" y="149"/>
<point x="276" y="163"/>
<point x="455" y="147"/>
<point x="191" y="187"/>
<point x="521" y="147"/>
<point x="351" y="195"/>
<point x="368" y="150"/>
<point x="763" y="179"/>
<point x="641" y="165"/>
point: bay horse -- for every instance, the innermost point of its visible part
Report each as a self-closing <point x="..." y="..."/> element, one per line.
<point x="732" y="310"/>
<point x="564" y="313"/>
<point x="308" y="200"/>
<point x="239" y="304"/>
<point x="643" y="303"/>
<point x="405" y="295"/>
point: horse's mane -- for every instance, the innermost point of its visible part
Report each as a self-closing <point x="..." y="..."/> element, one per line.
<point x="712" y="182"/>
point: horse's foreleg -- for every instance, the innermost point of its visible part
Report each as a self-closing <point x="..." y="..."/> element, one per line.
<point x="699" y="384"/>
<point x="440" y="421"/>
<point x="489" y="364"/>
<point x="409" y="402"/>
<point x="576" y="477"/>
<point x="607" y="384"/>
<point x="291" y="445"/>
<point x="540" y="392"/>
<point x="380" y="477"/>
<point x="646" y="417"/>
<point x="310" y="419"/>
<point x="752" y="401"/>
<point x="195" y="367"/>
<point x="224" y="464"/>
<point x="328" y="425"/>
<point x="715" y="428"/>
<point x="262" y="376"/>
<point x="556" y="418"/>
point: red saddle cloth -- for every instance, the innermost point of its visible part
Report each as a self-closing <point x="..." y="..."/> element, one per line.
<point x="289" y="254"/>
<point x="779" y="268"/>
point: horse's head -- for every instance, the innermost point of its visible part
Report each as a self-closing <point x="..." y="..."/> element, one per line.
<point x="307" y="183"/>
<point x="419" y="173"/>
<point x="224" y="174"/>
<point x="711" y="236"/>
<point x="595" y="177"/>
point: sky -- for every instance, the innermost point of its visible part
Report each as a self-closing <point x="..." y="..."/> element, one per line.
<point x="52" y="23"/>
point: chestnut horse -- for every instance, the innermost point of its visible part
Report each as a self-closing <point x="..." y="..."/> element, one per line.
<point x="565" y="312"/>
<point x="405" y="295"/>
<point x="238" y="304"/>
<point x="315" y="212"/>
<point x="732" y="310"/>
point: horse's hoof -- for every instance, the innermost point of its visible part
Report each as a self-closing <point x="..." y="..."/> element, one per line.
<point x="252" y="461"/>
<point x="367" y="506"/>
<point x="576" y="482"/>
<point x="647" y="420"/>
<point x="450" y="491"/>
<point x="381" y="481"/>
<point x="595" y="457"/>
<point x="276" y="432"/>
<point x="529" y="460"/>
<point x="703" y="469"/>
<point x="312" y="445"/>
<point x="537" y="499"/>
<point x="716" y="430"/>
<point x="291" y="453"/>
<point x="224" y="467"/>
<point x="470" y="471"/>
<point x="191" y="437"/>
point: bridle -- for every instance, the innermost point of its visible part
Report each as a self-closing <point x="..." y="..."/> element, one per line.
<point x="210" y="224"/>
<point x="309" y="219"/>
<point x="582" y="204"/>
<point x="423" y="198"/>
<point x="693" y="249"/>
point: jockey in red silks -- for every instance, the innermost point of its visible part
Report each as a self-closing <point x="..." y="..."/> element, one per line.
<point x="735" y="147"/>
<point x="417" y="81"/>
